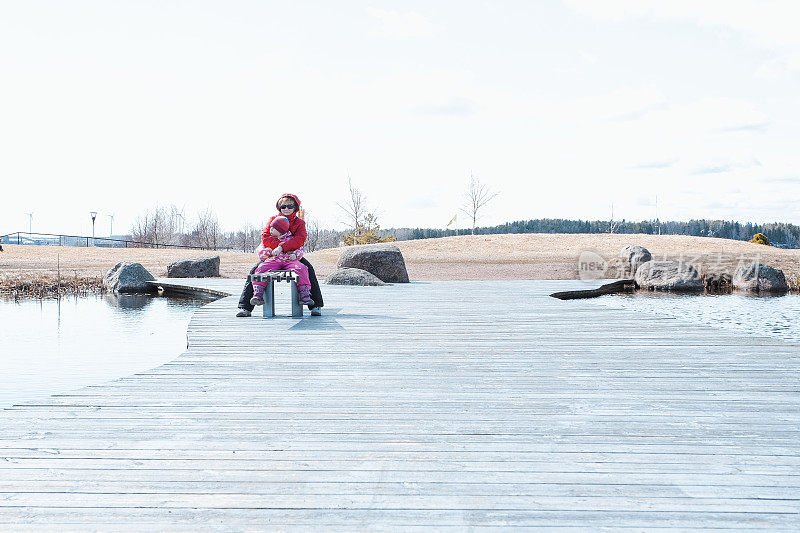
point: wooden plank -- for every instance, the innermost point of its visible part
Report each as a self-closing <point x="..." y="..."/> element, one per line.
<point x="265" y="488"/>
<point x="464" y="502"/>
<point x="459" y="456"/>
<point x="633" y="476"/>
<point x="523" y="411"/>
<point x="391" y="519"/>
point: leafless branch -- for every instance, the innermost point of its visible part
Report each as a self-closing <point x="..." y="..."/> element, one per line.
<point x="477" y="197"/>
<point x="207" y="231"/>
<point x="355" y="209"/>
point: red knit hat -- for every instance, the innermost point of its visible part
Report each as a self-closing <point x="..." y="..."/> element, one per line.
<point x="281" y="224"/>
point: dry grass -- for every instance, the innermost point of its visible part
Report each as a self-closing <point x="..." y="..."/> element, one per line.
<point x="34" y="270"/>
<point x="555" y="256"/>
<point x="47" y="285"/>
<point x="521" y="256"/>
<point x="93" y="262"/>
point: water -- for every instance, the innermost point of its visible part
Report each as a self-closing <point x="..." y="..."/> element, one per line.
<point x="771" y="316"/>
<point x="50" y="346"/>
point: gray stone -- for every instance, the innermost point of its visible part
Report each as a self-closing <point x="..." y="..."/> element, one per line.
<point x="382" y="260"/>
<point x="128" y="277"/>
<point x="352" y="276"/>
<point x="206" y="267"/>
<point x="634" y="256"/>
<point x="668" y="276"/>
<point x="756" y="277"/>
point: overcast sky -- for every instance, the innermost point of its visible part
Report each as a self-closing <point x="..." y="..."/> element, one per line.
<point x="562" y="107"/>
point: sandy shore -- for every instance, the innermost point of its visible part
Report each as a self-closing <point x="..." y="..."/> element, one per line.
<point x="521" y="256"/>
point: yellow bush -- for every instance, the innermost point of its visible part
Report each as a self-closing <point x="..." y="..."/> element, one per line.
<point x="369" y="237"/>
<point x="760" y="238"/>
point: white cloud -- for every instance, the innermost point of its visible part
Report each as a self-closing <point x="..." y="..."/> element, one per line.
<point x="722" y="166"/>
<point x="664" y="163"/>
<point x="456" y="107"/>
<point x="779" y="68"/>
<point x="407" y="24"/>
<point x="772" y="24"/>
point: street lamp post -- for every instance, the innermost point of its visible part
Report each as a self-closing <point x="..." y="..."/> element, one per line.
<point x="94" y="216"/>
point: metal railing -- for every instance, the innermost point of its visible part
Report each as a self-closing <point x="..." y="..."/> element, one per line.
<point x="54" y="239"/>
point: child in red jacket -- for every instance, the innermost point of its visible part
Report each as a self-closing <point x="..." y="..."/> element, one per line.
<point x="282" y="247"/>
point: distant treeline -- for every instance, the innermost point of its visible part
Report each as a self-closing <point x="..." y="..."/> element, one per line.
<point x="779" y="234"/>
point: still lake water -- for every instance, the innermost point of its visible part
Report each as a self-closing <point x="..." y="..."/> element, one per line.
<point x="769" y="316"/>
<point x="50" y="346"/>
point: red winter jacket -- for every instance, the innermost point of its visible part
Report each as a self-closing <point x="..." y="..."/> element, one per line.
<point x="296" y="225"/>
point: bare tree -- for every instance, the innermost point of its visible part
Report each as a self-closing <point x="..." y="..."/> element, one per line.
<point x="355" y="208"/>
<point x="477" y="197"/>
<point x="361" y="219"/>
<point x="329" y="238"/>
<point x="312" y="234"/>
<point x="612" y="225"/>
<point x="206" y="231"/>
<point x="227" y="241"/>
<point x="140" y="230"/>
<point x="248" y="238"/>
<point x="155" y="227"/>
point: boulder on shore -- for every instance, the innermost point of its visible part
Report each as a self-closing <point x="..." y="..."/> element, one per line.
<point x="128" y="278"/>
<point x="634" y="256"/>
<point x="207" y="267"/>
<point x="382" y="260"/>
<point x="756" y="277"/>
<point x="668" y="276"/>
<point x="352" y="276"/>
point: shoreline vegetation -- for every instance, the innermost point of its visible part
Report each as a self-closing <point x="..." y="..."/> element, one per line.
<point x="49" y="271"/>
<point x="48" y="286"/>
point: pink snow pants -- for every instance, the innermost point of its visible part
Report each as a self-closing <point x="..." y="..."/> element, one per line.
<point x="277" y="264"/>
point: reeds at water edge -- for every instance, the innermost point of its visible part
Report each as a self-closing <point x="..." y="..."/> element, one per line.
<point x="48" y="285"/>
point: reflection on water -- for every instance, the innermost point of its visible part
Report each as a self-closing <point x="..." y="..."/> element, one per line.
<point x="52" y="346"/>
<point x="772" y="316"/>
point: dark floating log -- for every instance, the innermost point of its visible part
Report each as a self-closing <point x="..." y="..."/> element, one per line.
<point x="609" y="288"/>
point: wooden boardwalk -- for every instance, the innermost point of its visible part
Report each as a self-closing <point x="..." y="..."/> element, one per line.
<point x="427" y="406"/>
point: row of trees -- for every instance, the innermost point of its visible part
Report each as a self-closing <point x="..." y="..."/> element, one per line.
<point x="162" y="225"/>
<point x="779" y="234"/>
<point x="166" y="225"/>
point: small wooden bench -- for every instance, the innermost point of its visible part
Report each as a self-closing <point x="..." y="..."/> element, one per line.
<point x="269" y="291"/>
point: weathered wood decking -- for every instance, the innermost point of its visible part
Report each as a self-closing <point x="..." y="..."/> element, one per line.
<point x="419" y="407"/>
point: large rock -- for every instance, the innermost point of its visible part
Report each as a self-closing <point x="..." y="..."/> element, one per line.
<point x="383" y="260"/>
<point x="634" y="256"/>
<point x="756" y="277"/>
<point x="207" y="267"/>
<point x="352" y="276"/>
<point x="668" y="276"/>
<point x="128" y="277"/>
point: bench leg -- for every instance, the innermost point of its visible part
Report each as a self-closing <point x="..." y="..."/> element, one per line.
<point x="297" y="308"/>
<point x="269" y="299"/>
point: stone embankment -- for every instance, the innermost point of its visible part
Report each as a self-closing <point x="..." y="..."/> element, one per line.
<point x="683" y="276"/>
<point x="671" y="275"/>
